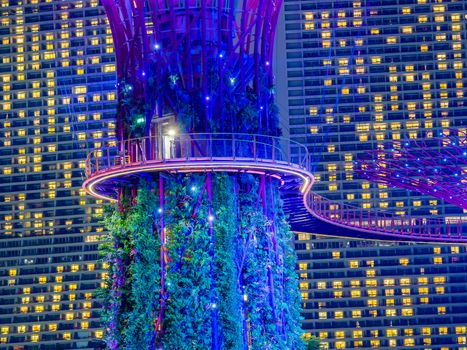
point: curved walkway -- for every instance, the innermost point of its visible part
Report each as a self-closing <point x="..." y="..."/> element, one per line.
<point x="187" y="153"/>
<point x="281" y="158"/>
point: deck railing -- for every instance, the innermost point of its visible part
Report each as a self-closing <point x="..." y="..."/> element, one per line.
<point x="372" y="220"/>
<point x="198" y="147"/>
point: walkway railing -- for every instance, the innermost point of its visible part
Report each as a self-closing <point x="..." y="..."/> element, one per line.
<point x="372" y="220"/>
<point x="198" y="147"/>
<point x="251" y="149"/>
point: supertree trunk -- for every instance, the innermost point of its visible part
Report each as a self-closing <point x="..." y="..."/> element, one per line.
<point x="197" y="259"/>
<point x="212" y="268"/>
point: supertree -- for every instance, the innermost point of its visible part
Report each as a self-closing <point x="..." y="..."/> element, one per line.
<point x="199" y="252"/>
<point x="433" y="166"/>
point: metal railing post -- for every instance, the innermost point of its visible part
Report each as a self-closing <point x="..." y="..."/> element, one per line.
<point x="273" y="150"/>
<point x="254" y="148"/>
<point x="210" y="146"/>
<point x="233" y="147"/>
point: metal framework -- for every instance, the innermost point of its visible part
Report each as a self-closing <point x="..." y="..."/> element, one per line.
<point x="211" y="49"/>
<point x="436" y="166"/>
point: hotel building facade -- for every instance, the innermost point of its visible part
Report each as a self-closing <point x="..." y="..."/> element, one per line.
<point x="361" y="74"/>
<point x="57" y="101"/>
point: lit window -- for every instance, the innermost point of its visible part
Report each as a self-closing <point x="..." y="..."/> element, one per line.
<point x="389" y="282"/>
<point x="371" y="283"/>
<point x="108" y="68"/>
<point x="39" y="308"/>
<point x="99" y="334"/>
<point x="406" y="30"/>
<point x="337" y="284"/>
<point x="423" y="290"/>
<point x="405" y="281"/>
<point x="79" y="89"/>
<point x="407" y="312"/>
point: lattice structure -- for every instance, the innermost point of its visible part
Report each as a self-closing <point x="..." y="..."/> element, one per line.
<point x="205" y="52"/>
<point x="436" y="166"/>
<point x="200" y="253"/>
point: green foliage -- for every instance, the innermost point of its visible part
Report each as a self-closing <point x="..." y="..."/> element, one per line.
<point x="248" y="273"/>
<point x="131" y="251"/>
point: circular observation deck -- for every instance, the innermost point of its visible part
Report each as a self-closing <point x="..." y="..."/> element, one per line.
<point x="107" y="169"/>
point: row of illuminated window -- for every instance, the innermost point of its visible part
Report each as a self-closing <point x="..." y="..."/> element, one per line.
<point x="50" y="55"/>
<point x="52" y="120"/>
<point x="68" y="4"/>
<point x="63" y="63"/>
<point x="39" y="224"/>
<point x="325" y="16"/>
<point x="59" y="268"/>
<point x="52" y="327"/>
<point x="392" y="343"/>
<point x="407" y="77"/>
<point x="406" y="312"/>
<point x="7" y="78"/>
<point x="380" y="136"/>
<point x="392" y="332"/>
<point x="57" y="298"/>
<point x="308" y="26"/>
<point x="58" y="288"/>
<point x="54" y="307"/>
<point x="359" y="41"/>
<point x="425" y="94"/>
<point x="353" y="264"/>
<point x="92" y="23"/>
<point x="394" y="135"/>
<point x="6" y="106"/>
<point x="356" y="293"/>
<point x="379" y="117"/>
<point x="64" y="166"/>
<point x="21" y="196"/>
<point x="357" y="12"/>
<point x="96" y="135"/>
<point x="21" y="95"/>
<point x="388" y="282"/>
<point x="387" y="292"/>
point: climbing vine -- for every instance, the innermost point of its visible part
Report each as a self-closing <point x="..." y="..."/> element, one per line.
<point x="230" y="267"/>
